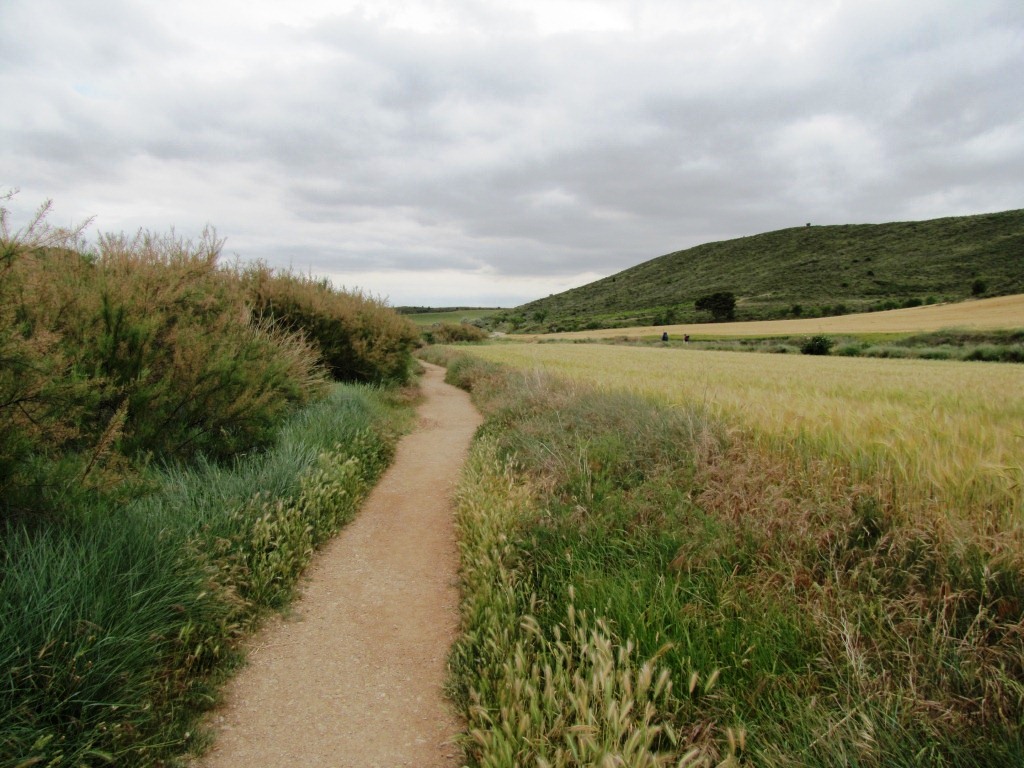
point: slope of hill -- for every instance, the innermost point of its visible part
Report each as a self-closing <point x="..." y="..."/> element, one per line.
<point x="802" y="271"/>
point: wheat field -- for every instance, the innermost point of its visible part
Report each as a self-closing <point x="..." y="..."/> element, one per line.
<point x="947" y="437"/>
<point x="999" y="313"/>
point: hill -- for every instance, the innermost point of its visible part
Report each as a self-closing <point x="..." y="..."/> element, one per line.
<point x="806" y="271"/>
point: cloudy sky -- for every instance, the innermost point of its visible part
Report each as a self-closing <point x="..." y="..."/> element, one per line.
<point x="489" y="152"/>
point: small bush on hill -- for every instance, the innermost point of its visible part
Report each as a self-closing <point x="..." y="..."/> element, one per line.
<point x="721" y="306"/>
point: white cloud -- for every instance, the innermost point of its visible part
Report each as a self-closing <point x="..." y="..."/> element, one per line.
<point x="531" y="142"/>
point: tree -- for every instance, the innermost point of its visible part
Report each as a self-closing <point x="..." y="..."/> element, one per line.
<point x="721" y="305"/>
<point x="816" y="345"/>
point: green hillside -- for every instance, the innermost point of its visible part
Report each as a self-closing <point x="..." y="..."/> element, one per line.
<point x="802" y="271"/>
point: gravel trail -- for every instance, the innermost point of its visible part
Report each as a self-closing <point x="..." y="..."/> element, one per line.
<point x="353" y="677"/>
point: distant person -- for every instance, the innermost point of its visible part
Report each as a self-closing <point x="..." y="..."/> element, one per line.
<point x="686" y="338"/>
<point x="664" y="335"/>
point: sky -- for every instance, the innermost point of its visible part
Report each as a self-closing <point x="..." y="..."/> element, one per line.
<point x="486" y="153"/>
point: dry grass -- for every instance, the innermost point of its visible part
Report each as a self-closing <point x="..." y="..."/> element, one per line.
<point x="999" y="313"/>
<point x="854" y="609"/>
<point x="947" y="437"/>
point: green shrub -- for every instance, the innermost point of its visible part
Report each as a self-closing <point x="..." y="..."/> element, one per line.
<point x="850" y="350"/>
<point x="721" y="306"/>
<point x="358" y="338"/>
<point x="816" y="345"/>
<point x="452" y="333"/>
<point x="888" y="351"/>
<point x="161" y="334"/>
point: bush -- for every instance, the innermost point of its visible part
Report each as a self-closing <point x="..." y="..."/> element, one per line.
<point x="358" y="338"/>
<point x="451" y="333"/>
<point x="174" y="362"/>
<point x="888" y="351"/>
<point x="145" y="347"/>
<point x="850" y="350"/>
<point x="816" y="345"/>
<point x="721" y="306"/>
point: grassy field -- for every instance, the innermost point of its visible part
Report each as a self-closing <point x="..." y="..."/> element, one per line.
<point x="702" y="559"/>
<point x="946" y="436"/>
<point x="1001" y="312"/>
<point x="423" y="319"/>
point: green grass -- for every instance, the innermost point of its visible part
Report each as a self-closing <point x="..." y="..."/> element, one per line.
<point x="117" y="622"/>
<point x="644" y="587"/>
<point x="825" y="270"/>
<point x="989" y="346"/>
<point x="428" y="318"/>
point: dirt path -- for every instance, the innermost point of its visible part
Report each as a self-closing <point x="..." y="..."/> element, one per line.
<point x="353" y="678"/>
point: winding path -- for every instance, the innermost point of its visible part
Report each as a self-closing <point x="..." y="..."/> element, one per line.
<point x="353" y="677"/>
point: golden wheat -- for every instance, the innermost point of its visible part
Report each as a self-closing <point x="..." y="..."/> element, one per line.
<point x="999" y="313"/>
<point x="947" y="436"/>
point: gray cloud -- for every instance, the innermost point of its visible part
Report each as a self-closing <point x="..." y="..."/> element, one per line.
<point x="511" y="143"/>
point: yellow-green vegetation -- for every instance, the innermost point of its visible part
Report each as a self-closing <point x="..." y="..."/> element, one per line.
<point x="357" y="338"/>
<point x="998" y="313"/>
<point x="171" y="451"/>
<point x="115" y="629"/>
<point x="942" y="437"/>
<point x="451" y="333"/>
<point x="799" y="272"/>
<point x="825" y="560"/>
<point x="426" y="317"/>
<point x="146" y="347"/>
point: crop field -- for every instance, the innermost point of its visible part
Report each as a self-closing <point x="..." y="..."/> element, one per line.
<point x="453" y="316"/>
<point x="948" y="437"/>
<point x="679" y="557"/>
<point x="1001" y="312"/>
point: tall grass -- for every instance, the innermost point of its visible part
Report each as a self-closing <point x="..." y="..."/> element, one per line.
<point x="941" y="438"/>
<point x="151" y="507"/>
<point x="116" y="625"/>
<point x="645" y="584"/>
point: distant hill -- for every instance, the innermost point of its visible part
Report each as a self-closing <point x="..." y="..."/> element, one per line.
<point x="800" y="272"/>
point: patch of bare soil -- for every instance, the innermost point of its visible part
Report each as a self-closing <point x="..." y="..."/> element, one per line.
<point x="353" y="676"/>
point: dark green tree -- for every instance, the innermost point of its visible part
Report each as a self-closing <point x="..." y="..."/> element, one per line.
<point x="721" y="306"/>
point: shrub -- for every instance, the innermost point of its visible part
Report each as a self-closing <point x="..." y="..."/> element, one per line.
<point x="816" y="345"/>
<point x="888" y="351"/>
<point x="850" y="350"/>
<point x="358" y="338"/>
<point x="451" y="333"/>
<point x="156" y="327"/>
<point x="721" y="306"/>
